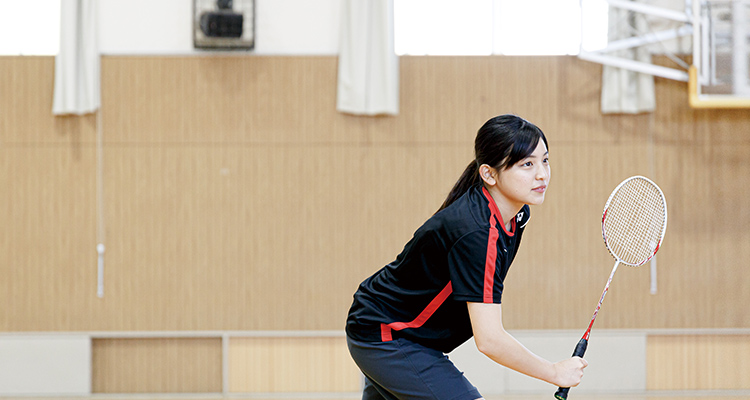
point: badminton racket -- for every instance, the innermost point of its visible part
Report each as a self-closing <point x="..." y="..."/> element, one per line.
<point x="633" y="225"/>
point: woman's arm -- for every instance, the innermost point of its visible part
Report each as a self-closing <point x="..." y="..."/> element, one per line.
<point x="497" y="344"/>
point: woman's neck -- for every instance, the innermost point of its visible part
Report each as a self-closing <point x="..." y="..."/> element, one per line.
<point x="508" y="210"/>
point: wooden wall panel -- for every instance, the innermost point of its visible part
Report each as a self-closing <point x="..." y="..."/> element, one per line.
<point x="698" y="362"/>
<point x="47" y="237"/>
<point x="218" y="99"/>
<point x="26" y="88"/>
<point x="185" y="365"/>
<point x="238" y="198"/>
<point x="255" y="239"/>
<point x="267" y="365"/>
<point x="700" y="263"/>
<point x="292" y="99"/>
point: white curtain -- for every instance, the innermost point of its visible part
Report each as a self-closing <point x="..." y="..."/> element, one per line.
<point x="77" y="76"/>
<point x="368" y="76"/>
<point x="624" y="91"/>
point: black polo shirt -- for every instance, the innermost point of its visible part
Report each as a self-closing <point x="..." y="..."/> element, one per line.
<point x="461" y="254"/>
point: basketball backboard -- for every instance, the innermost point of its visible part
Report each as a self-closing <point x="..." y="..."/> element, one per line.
<point x="720" y="74"/>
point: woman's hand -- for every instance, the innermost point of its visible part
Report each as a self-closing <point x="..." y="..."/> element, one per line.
<point x="569" y="372"/>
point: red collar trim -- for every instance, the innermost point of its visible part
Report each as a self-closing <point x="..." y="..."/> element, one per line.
<point x="496" y="212"/>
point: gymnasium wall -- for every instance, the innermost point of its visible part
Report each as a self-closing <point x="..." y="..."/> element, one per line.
<point x="237" y="199"/>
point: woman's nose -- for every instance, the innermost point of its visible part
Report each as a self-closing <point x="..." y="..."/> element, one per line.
<point x="542" y="172"/>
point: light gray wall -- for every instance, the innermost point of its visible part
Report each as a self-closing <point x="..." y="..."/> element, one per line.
<point x="164" y="27"/>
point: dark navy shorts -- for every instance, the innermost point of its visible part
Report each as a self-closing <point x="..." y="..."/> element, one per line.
<point x="401" y="369"/>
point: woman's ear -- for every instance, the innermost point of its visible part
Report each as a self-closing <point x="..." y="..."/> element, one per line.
<point x="488" y="174"/>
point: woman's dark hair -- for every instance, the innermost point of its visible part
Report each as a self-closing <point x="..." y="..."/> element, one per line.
<point x="500" y="143"/>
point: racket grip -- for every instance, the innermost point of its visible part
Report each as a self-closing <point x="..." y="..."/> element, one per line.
<point x="562" y="393"/>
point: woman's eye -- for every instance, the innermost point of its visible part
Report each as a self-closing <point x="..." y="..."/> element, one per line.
<point x="528" y="164"/>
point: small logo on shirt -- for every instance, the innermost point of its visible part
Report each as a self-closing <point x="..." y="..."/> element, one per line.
<point x="519" y="217"/>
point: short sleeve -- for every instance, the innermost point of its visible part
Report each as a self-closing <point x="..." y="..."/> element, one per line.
<point x="472" y="269"/>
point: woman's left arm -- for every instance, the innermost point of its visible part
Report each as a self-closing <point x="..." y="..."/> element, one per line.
<point x="497" y="344"/>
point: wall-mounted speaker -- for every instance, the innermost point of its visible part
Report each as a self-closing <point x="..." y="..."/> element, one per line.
<point x="224" y="24"/>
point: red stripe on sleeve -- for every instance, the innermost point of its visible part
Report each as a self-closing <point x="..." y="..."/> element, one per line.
<point x="494" y="235"/>
<point x="489" y="264"/>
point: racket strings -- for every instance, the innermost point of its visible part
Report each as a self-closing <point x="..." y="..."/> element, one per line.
<point x="634" y="221"/>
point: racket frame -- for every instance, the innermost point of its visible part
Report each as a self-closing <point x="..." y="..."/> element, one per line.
<point x="663" y="228"/>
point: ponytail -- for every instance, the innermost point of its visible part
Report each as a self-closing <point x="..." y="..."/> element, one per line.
<point x="469" y="178"/>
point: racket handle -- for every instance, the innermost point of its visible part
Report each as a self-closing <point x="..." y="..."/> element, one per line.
<point x="562" y="393"/>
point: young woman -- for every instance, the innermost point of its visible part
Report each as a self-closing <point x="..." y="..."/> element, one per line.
<point x="447" y="283"/>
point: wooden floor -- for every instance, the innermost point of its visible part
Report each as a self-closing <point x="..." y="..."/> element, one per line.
<point x="671" y="396"/>
<point x="717" y="395"/>
<point x="660" y="396"/>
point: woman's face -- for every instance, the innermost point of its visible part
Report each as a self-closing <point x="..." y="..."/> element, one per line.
<point x="526" y="181"/>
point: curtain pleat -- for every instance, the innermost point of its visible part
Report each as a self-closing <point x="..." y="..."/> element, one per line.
<point x="368" y="76"/>
<point x="77" y="65"/>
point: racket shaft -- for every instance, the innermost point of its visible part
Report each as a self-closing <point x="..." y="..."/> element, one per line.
<point x="580" y="350"/>
<point x="601" y="299"/>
